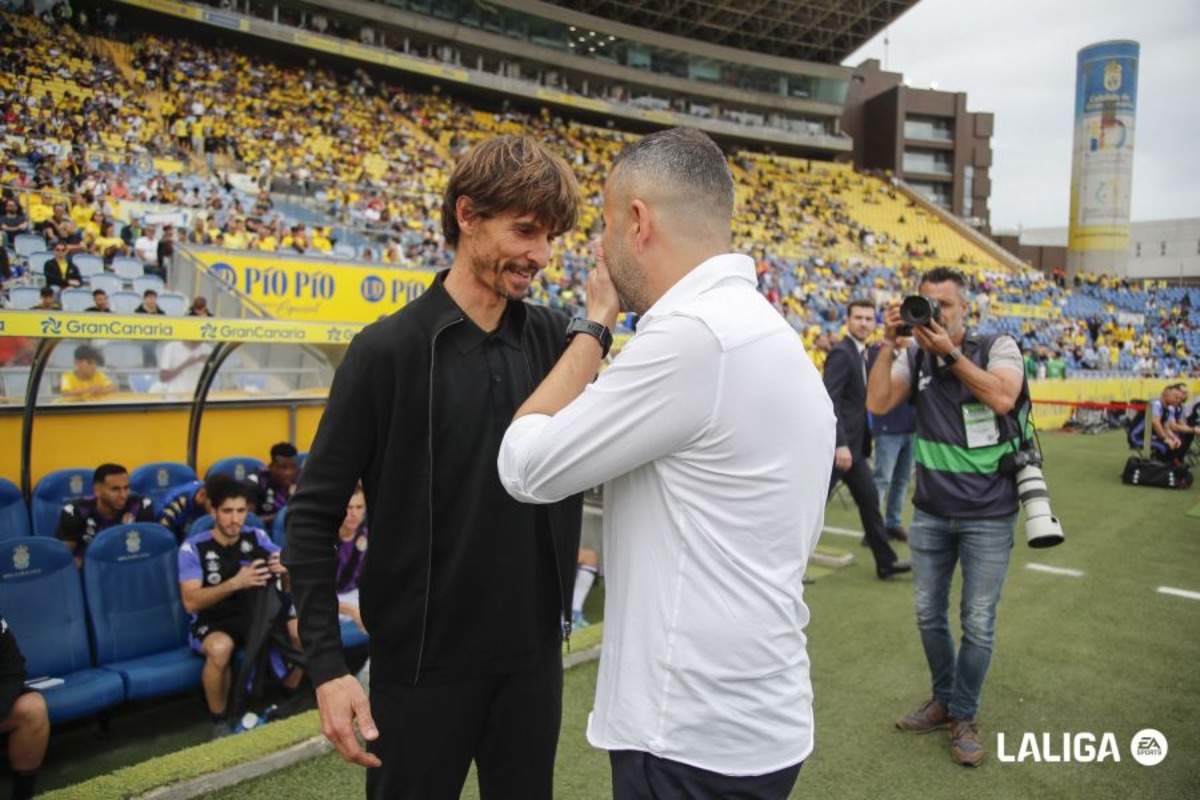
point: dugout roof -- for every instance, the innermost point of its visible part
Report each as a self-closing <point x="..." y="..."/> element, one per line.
<point x="823" y="31"/>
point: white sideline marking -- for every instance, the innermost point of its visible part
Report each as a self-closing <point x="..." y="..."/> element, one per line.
<point x="843" y="531"/>
<point x="1074" y="573"/>
<point x="1179" y="592"/>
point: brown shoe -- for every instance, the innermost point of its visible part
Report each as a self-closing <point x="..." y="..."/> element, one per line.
<point x="965" y="747"/>
<point x="929" y="717"/>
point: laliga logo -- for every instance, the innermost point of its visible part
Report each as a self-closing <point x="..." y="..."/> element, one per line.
<point x="51" y="327"/>
<point x="1148" y="747"/>
<point x="224" y="273"/>
<point x="372" y="288"/>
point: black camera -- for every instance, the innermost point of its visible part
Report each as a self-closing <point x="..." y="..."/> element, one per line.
<point x="918" y="311"/>
<point x="1012" y="463"/>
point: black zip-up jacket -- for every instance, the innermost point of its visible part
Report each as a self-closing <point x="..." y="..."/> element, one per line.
<point x="377" y="424"/>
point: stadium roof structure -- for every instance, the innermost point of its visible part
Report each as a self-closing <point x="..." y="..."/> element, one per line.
<point x="824" y="31"/>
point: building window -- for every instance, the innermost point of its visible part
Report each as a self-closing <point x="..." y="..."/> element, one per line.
<point x="931" y="162"/>
<point x="1162" y="248"/>
<point x="937" y="129"/>
<point x="1137" y="250"/>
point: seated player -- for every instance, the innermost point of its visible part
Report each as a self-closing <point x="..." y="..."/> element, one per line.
<point x="275" y="482"/>
<point x="219" y="570"/>
<point x="23" y="718"/>
<point x="111" y="503"/>
<point x="183" y="505"/>
<point x="1159" y="417"/>
<point x="351" y="555"/>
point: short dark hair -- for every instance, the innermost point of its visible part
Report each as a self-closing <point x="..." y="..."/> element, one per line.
<point x="512" y="173"/>
<point x="85" y="352"/>
<point x="149" y="292"/>
<point x="97" y="292"/>
<point x="225" y="487"/>
<point x="283" y="450"/>
<point x="943" y="274"/>
<point x="104" y="470"/>
<point x="860" y="302"/>
<point x="47" y="291"/>
<point x="686" y="157"/>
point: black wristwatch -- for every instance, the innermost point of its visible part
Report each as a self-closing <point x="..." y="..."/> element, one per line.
<point x="601" y="332"/>
<point x="952" y="357"/>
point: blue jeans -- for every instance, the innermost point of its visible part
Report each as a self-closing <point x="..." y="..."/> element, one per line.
<point x="893" y="470"/>
<point x="983" y="546"/>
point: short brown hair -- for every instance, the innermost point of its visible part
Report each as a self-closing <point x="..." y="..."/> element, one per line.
<point x="860" y="302"/>
<point x="512" y="173"/>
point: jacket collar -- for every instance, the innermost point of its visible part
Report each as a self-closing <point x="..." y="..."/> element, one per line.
<point x="438" y="308"/>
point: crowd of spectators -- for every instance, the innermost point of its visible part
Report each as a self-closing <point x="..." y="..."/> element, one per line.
<point x="373" y="159"/>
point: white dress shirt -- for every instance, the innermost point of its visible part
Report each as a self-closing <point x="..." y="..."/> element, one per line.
<point x="714" y="436"/>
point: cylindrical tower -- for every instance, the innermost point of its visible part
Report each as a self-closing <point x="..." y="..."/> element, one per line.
<point x="1102" y="160"/>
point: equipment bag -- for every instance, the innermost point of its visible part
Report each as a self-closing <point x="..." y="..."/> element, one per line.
<point x="1144" y="472"/>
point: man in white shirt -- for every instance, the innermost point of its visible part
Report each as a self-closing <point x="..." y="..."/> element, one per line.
<point x="180" y="367"/>
<point x="714" y="437"/>
<point x="146" y="247"/>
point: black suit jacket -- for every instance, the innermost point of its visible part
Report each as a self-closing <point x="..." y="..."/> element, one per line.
<point x="55" y="275"/>
<point x="848" y="390"/>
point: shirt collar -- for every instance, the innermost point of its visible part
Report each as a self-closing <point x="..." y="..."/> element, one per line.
<point x="468" y="336"/>
<point x="702" y="277"/>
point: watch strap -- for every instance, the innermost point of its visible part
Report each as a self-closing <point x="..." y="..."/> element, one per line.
<point x="600" y="332"/>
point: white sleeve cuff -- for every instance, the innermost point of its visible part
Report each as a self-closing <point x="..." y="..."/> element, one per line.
<point x="515" y="456"/>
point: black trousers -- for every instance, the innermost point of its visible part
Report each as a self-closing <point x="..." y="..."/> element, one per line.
<point x="642" y="776"/>
<point x="429" y="735"/>
<point x="866" y="497"/>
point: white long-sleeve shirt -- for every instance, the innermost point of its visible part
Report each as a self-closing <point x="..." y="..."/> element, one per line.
<point x="713" y="436"/>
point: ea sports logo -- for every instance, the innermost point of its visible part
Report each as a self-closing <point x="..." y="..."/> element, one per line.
<point x="1148" y="747"/>
<point x="224" y="273"/>
<point x="372" y="288"/>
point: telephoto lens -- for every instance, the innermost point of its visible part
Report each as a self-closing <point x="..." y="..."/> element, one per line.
<point x="1042" y="528"/>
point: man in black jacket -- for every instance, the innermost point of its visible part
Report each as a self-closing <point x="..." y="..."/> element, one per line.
<point x="846" y="381"/>
<point x="466" y="592"/>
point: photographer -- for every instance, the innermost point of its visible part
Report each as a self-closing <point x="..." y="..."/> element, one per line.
<point x="966" y="388"/>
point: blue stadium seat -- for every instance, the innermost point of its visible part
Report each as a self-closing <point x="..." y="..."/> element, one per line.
<point x="206" y="523"/>
<point x="124" y="302"/>
<point x="42" y="600"/>
<point x="26" y="244"/>
<point x="173" y="303"/>
<point x="76" y="299"/>
<point x="135" y="612"/>
<point x="88" y="265"/>
<point x="144" y="282"/>
<point x="237" y="466"/>
<point x="156" y="480"/>
<point x="128" y="267"/>
<point x="23" y="298"/>
<point x="108" y="282"/>
<point x="14" y="514"/>
<point x="52" y="491"/>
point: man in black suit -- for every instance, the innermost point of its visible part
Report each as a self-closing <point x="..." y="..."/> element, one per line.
<point x="846" y="370"/>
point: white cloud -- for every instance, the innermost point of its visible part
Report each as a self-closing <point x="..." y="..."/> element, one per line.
<point x="1016" y="59"/>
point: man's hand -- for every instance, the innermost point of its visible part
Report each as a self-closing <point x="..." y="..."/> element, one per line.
<point x="275" y="566"/>
<point x="933" y="338"/>
<point x="256" y="573"/>
<point x="842" y="459"/>
<point x="603" y="303"/>
<point x="892" y="321"/>
<point x="341" y="701"/>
